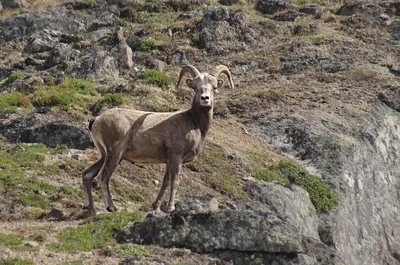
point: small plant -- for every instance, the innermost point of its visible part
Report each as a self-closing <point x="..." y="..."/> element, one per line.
<point x="15" y="75"/>
<point x="148" y="45"/>
<point x="89" y="4"/>
<point x="49" y="80"/>
<point x="156" y="78"/>
<point x="113" y="99"/>
<point x="12" y="101"/>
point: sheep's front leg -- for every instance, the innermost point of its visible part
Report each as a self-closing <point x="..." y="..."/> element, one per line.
<point x="166" y="180"/>
<point x="111" y="162"/>
<point x="89" y="174"/>
<point x="175" y="164"/>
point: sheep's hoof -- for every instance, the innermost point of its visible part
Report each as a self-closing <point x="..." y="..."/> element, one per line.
<point x="171" y="209"/>
<point x="156" y="213"/>
<point x="111" y="208"/>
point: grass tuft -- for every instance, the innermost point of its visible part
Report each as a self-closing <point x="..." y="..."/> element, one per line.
<point x="71" y="93"/>
<point x="156" y="78"/>
<point x="15" y="75"/>
<point x="12" y="101"/>
<point x="96" y="232"/>
<point x="148" y="45"/>
<point x="113" y="99"/>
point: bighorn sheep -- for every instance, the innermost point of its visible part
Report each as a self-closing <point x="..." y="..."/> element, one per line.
<point x="141" y="137"/>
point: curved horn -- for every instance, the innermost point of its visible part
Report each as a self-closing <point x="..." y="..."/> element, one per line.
<point x="187" y="69"/>
<point x="224" y="69"/>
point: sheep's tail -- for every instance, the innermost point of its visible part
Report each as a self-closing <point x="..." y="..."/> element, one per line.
<point x="91" y="121"/>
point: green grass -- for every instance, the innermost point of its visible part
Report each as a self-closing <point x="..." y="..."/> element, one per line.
<point x="14" y="100"/>
<point x="16" y="261"/>
<point x="15" y="242"/>
<point x="15" y="75"/>
<point x="155" y="77"/>
<point x="96" y="232"/>
<point x="218" y="172"/>
<point x="148" y="45"/>
<point x="321" y="195"/>
<point x="113" y="99"/>
<point x="268" y="174"/>
<point x="15" y="161"/>
<point x="71" y="93"/>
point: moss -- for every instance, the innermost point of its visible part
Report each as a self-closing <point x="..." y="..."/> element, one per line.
<point x="89" y="4"/>
<point x="12" y="101"/>
<point x="71" y="93"/>
<point x="113" y="99"/>
<point x="148" y="45"/>
<point x="16" y="261"/>
<point x="94" y="233"/>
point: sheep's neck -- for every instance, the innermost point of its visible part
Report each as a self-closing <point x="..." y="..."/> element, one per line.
<point x="201" y="118"/>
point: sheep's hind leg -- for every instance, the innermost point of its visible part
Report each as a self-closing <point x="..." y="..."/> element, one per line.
<point x="111" y="162"/>
<point x="157" y="203"/>
<point x="88" y="175"/>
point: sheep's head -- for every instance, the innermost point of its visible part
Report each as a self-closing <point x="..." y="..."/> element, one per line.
<point x="205" y="84"/>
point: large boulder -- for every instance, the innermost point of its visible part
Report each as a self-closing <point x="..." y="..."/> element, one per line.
<point x="47" y="127"/>
<point x="271" y="6"/>
<point x="13" y="3"/>
<point x="223" y="31"/>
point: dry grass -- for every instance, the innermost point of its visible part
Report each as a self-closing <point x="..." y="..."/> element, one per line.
<point x="35" y="4"/>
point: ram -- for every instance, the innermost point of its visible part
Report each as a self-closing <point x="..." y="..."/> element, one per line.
<point x="172" y="138"/>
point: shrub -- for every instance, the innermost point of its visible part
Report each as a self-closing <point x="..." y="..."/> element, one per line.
<point x="148" y="45"/>
<point x="15" y="75"/>
<point x="156" y="78"/>
<point x="113" y="99"/>
<point x="11" y="101"/>
<point x="321" y="195"/>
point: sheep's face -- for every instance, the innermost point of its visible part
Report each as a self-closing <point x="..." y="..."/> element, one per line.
<point x="204" y="86"/>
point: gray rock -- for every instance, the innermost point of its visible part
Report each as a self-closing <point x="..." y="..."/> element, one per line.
<point x="219" y="27"/>
<point x="47" y="127"/>
<point x="28" y="84"/>
<point x="197" y="204"/>
<point x="287" y="16"/>
<point x="271" y="6"/>
<point x="360" y="8"/>
<point x="14" y="3"/>
<point x="312" y="9"/>
<point x="224" y="230"/>
<point x="292" y="203"/>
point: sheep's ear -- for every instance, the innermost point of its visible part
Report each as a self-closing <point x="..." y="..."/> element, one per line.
<point x="189" y="83"/>
<point x="220" y="83"/>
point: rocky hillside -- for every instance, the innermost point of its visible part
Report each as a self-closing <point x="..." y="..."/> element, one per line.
<point x="300" y="166"/>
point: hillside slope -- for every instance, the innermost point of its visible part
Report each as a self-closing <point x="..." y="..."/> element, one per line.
<point x="300" y="166"/>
